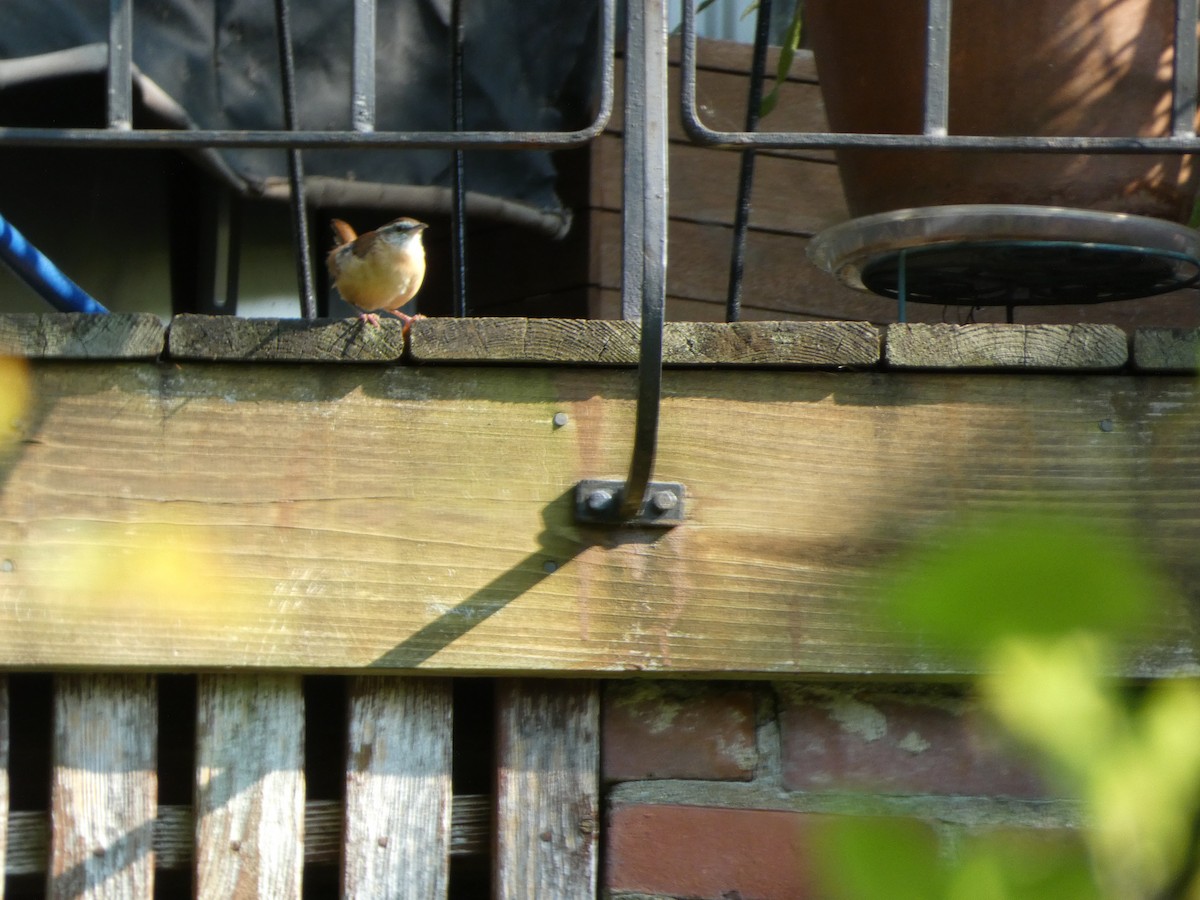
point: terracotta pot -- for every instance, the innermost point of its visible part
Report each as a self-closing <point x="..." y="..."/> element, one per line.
<point x="1037" y="67"/>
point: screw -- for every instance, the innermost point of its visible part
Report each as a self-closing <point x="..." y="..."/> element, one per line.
<point x="549" y="567"/>
<point x="664" y="501"/>
<point x="8" y="566"/>
<point x="560" y="419"/>
<point x="1106" y="425"/>
<point x="599" y="499"/>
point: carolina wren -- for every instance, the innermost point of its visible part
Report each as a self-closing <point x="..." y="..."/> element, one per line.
<point x="380" y="270"/>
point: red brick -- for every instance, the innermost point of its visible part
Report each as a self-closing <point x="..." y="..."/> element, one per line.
<point x="928" y="741"/>
<point x="654" y="730"/>
<point x="707" y="852"/>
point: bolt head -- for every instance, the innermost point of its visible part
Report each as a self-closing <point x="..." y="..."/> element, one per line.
<point x="599" y="499"/>
<point x="664" y="501"/>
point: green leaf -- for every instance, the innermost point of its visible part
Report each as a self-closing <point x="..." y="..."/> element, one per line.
<point x="1022" y="864"/>
<point x="878" y="859"/>
<point x="787" y="55"/>
<point x="1030" y="575"/>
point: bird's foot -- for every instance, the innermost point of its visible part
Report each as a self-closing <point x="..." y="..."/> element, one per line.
<point x="369" y="318"/>
<point x="406" y="319"/>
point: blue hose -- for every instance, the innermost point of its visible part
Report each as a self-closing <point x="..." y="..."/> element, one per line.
<point x="42" y="275"/>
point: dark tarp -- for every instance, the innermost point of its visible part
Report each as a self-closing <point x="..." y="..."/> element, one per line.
<point x="213" y="64"/>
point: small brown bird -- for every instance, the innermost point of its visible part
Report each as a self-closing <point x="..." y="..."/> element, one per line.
<point x="380" y="270"/>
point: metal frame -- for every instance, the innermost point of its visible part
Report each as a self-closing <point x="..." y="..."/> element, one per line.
<point x="638" y="500"/>
<point x="120" y="102"/>
<point x="1183" y="138"/>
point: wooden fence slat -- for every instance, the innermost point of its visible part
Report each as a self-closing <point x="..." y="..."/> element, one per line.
<point x="398" y="790"/>
<point x="3" y="781"/>
<point x="547" y="789"/>
<point x="104" y="787"/>
<point x="249" y="787"/>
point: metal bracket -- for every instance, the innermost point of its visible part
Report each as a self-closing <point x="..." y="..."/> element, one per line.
<point x="598" y="502"/>
<point x="638" y="500"/>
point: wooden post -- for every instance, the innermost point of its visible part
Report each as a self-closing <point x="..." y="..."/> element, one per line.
<point x="547" y="790"/>
<point x="249" y="787"/>
<point x="3" y="781"/>
<point x="398" y="791"/>
<point x="104" y="787"/>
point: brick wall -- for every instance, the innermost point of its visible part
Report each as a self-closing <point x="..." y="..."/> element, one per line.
<point x="716" y="790"/>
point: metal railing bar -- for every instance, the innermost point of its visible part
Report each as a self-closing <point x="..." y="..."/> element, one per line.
<point x="937" y="68"/>
<point x="1184" y="90"/>
<point x="120" y="64"/>
<point x="741" y="216"/>
<point x="362" y="105"/>
<point x="491" y="140"/>
<point x="822" y="140"/>
<point x="305" y="140"/>
<point x="644" y="253"/>
<point x="299" y="206"/>
<point x="458" y="191"/>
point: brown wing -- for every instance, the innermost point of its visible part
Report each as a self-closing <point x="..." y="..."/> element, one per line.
<point x="342" y="232"/>
<point x="364" y="243"/>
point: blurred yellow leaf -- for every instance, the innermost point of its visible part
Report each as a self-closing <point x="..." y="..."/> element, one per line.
<point x="1049" y="693"/>
<point x="16" y="390"/>
<point x="144" y="569"/>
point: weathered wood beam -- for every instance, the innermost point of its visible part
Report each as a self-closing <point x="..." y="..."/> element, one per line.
<point x="185" y="515"/>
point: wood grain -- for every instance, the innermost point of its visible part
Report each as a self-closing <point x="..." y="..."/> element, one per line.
<point x="703" y="187"/>
<point x="285" y="340"/>
<point x="779" y="275"/>
<point x="420" y="517"/>
<point x="104" y="787"/>
<point x="398" y="792"/>
<point x="605" y="303"/>
<point x="547" y="789"/>
<point x="249" y="787"/>
<point x="1166" y="350"/>
<point x="1056" y="347"/>
<point x="80" y="336"/>
<point x="519" y="340"/>
<point x="4" y="804"/>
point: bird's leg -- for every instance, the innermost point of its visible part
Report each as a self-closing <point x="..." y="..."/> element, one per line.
<point x="406" y="319"/>
<point x="369" y="318"/>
